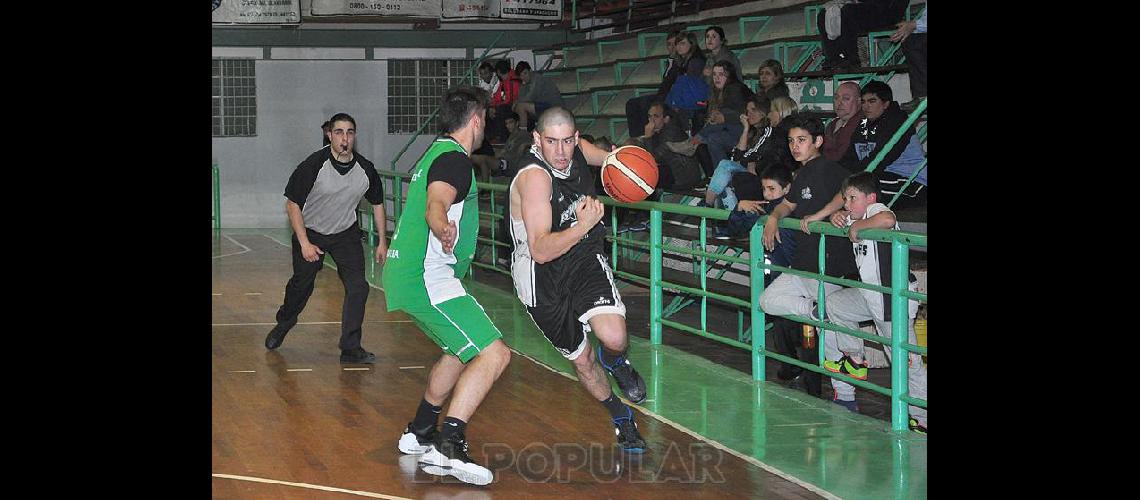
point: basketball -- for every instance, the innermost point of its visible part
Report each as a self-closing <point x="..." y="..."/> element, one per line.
<point x="629" y="174"/>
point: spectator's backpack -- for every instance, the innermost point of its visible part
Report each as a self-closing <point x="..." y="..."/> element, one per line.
<point x="687" y="91"/>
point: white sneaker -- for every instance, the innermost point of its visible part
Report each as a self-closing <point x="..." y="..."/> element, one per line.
<point x="451" y="459"/>
<point x="412" y="444"/>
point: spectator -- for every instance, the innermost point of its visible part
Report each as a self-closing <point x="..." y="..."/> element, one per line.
<point x="683" y="95"/>
<point x="757" y="140"/>
<point x="536" y="95"/>
<point x="676" y="171"/>
<point x="757" y="196"/>
<point x="487" y="80"/>
<point x="782" y="109"/>
<point x="637" y="107"/>
<point x="483" y="158"/>
<point x="882" y="121"/>
<point x="508" y="90"/>
<point x="518" y="144"/>
<point x="848" y="114"/>
<point x="502" y="98"/>
<point x="842" y="21"/>
<point x="847" y="307"/>
<point x="912" y="34"/>
<point x="815" y="184"/>
<point x="721" y="125"/>
<point x="716" y="51"/>
<point x="771" y="74"/>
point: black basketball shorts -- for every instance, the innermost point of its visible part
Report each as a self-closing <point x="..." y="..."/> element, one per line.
<point x="587" y="292"/>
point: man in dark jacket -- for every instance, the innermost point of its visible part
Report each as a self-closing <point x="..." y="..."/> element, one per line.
<point x="675" y="171"/>
<point x="884" y="118"/>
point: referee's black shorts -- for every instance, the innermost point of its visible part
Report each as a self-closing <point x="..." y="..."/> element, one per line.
<point x="587" y="292"/>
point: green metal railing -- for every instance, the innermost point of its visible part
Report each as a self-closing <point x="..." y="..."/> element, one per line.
<point x="900" y="243"/>
<point x="217" y="215"/>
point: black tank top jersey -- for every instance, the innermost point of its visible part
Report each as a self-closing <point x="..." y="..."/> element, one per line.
<point x="551" y="282"/>
<point x="564" y="195"/>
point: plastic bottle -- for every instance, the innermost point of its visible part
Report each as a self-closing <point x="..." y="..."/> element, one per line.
<point x="809" y="336"/>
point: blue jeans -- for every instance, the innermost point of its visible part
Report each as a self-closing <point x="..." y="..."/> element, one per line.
<point x="721" y="138"/>
<point x="720" y="179"/>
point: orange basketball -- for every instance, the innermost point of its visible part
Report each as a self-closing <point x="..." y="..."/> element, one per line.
<point x="629" y="174"/>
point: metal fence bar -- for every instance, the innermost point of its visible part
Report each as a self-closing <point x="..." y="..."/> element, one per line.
<point x="216" y="174"/>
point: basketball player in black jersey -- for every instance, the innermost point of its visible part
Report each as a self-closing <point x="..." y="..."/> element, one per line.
<point x="559" y="265"/>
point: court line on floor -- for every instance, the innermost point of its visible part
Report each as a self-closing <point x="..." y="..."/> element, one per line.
<point x="716" y="444"/>
<point x="226" y="236"/>
<point x="310" y="486"/>
<point x="329" y="264"/>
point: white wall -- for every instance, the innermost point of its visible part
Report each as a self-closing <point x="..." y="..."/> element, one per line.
<point x="293" y="98"/>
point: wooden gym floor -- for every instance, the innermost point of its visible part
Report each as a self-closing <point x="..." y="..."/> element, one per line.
<point x="296" y="423"/>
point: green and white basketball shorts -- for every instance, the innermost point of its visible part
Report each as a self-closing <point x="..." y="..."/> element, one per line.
<point x="460" y="325"/>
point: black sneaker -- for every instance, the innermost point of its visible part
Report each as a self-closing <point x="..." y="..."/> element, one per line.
<point x="634" y="227"/>
<point x="720" y="233"/>
<point x="358" y="355"/>
<point x="788" y="372"/>
<point x="450" y="458"/>
<point x="417" y="441"/>
<point x="626" y="376"/>
<point x="627" y="436"/>
<point x="275" y="337"/>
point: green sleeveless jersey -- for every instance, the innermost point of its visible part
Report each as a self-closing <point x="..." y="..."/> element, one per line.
<point x="416" y="268"/>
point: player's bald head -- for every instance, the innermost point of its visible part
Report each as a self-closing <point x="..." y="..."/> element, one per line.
<point x="553" y="117"/>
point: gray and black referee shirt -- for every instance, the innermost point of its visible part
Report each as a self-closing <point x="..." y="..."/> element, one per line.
<point x="329" y="191"/>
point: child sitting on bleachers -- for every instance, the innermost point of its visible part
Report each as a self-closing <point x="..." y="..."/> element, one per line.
<point x="757" y="195"/>
<point x="847" y="307"/>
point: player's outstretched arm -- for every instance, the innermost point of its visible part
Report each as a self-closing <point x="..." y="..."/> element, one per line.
<point x="594" y="155"/>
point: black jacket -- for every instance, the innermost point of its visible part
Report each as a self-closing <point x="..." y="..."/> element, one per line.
<point x="871" y="136"/>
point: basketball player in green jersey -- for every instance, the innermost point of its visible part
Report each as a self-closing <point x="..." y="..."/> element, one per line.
<point x="432" y="248"/>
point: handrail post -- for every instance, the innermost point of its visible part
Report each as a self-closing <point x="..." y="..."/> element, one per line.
<point x="821" y="300"/>
<point x="397" y="193"/>
<point x="900" y="329"/>
<point x="756" y="276"/>
<point x="655" y="276"/>
<point x="494" y="224"/>
<point x="217" y="198"/>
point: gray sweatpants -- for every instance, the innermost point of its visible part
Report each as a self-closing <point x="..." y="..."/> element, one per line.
<point x="847" y="307"/>
<point x="791" y="294"/>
